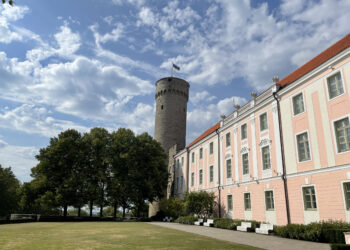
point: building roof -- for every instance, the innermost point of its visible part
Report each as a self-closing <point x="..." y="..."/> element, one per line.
<point x="205" y="134"/>
<point x="324" y="56"/>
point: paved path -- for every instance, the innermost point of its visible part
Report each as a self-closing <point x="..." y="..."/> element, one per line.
<point x="251" y="239"/>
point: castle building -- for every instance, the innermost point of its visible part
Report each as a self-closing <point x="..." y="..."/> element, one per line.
<point x="283" y="157"/>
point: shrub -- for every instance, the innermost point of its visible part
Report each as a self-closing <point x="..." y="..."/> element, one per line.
<point x="225" y="223"/>
<point x="340" y="247"/>
<point x="186" y="220"/>
<point x="172" y="207"/>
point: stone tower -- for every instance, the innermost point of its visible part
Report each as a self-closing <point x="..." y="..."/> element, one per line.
<point x="170" y="122"/>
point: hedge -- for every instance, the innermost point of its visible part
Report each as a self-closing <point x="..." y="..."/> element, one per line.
<point x="231" y="224"/>
<point x="340" y="247"/>
<point x="327" y="232"/>
<point x="186" y="220"/>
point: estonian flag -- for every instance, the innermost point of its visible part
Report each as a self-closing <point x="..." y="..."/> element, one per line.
<point x="176" y="67"/>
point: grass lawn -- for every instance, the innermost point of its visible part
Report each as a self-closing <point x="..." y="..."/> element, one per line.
<point x="103" y="235"/>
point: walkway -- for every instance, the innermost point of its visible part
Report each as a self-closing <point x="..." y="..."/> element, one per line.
<point x="251" y="239"/>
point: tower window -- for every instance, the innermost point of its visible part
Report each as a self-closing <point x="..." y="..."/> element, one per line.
<point x="161" y="107"/>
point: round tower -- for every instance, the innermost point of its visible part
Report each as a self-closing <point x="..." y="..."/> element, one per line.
<point x="170" y="122"/>
<point x="171" y="109"/>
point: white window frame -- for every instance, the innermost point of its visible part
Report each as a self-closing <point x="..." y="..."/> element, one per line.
<point x="343" y="83"/>
<point x="201" y="153"/>
<point x="343" y="193"/>
<point x="226" y="160"/>
<point x="211" y="166"/>
<point x="245" y="177"/>
<point x="262" y="157"/>
<point x="273" y="197"/>
<point x="267" y="122"/>
<point x="228" y="146"/>
<point x="246" y="138"/>
<point x="296" y="145"/>
<point x="250" y="201"/>
<point x="228" y="209"/>
<point x="302" y="195"/>
<point x="211" y="143"/>
<point x="200" y="177"/>
<point x="292" y="98"/>
<point x="335" y="134"/>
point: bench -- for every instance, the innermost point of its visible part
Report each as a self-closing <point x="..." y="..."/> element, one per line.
<point x="209" y="223"/>
<point x="168" y="219"/>
<point x="244" y="226"/>
<point x="264" y="228"/>
<point x="199" y="222"/>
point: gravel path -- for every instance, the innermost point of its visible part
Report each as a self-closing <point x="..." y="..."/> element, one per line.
<point x="251" y="239"/>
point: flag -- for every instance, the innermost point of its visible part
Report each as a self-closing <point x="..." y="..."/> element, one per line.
<point x="176" y="67"/>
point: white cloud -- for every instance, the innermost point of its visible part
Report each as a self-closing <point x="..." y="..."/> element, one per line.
<point x="137" y="3"/>
<point x="21" y="159"/>
<point x="114" y="35"/>
<point x="67" y="41"/>
<point x="201" y="97"/>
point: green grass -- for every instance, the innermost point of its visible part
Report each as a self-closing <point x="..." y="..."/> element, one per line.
<point x="103" y="235"/>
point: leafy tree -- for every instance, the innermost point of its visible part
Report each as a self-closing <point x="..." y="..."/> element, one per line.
<point x="120" y="188"/>
<point x="9" y="188"/>
<point x="59" y="170"/>
<point x="200" y="203"/>
<point x="98" y="168"/>
<point x="173" y="207"/>
<point x="10" y="2"/>
<point x="149" y="172"/>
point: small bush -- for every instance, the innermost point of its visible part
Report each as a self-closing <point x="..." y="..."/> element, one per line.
<point x="189" y="220"/>
<point x="226" y="223"/>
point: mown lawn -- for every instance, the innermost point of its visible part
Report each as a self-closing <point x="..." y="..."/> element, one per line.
<point x="103" y="235"/>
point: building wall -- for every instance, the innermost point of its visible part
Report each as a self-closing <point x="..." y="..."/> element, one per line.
<point x="326" y="171"/>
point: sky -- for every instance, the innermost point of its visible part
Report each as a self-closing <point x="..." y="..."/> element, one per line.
<point x="94" y="63"/>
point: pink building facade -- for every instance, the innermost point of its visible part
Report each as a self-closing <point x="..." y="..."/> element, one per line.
<point x="284" y="157"/>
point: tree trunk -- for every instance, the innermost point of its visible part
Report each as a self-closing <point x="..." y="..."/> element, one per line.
<point x="79" y="211"/>
<point x="115" y="210"/>
<point x="101" y="211"/>
<point x="124" y="212"/>
<point x="91" y="207"/>
<point x="65" y="208"/>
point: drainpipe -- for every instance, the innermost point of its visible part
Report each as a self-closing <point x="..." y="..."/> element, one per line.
<point x="188" y="169"/>
<point x="284" y="176"/>
<point x="219" y="187"/>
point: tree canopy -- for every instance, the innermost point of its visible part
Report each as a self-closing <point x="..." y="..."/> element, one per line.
<point x="9" y="191"/>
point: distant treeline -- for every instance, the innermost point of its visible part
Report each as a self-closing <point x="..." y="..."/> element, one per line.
<point x="98" y="168"/>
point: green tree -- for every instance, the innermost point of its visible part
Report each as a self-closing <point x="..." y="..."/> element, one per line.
<point x="60" y="169"/>
<point x="10" y="2"/>
<point x="120" y="187"/>
<point x="9" y="191"/>
<point x="149" y="172"/>
<point x="98" y="167"/>
<point x="200" y="203"/>
<point x="173" y="207"/>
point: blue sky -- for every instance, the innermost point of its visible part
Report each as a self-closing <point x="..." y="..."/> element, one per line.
<point x="86" y="63"/>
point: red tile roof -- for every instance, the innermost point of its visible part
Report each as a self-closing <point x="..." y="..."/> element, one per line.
<point x="205" y="134"/>
<point x="327" y="54"/>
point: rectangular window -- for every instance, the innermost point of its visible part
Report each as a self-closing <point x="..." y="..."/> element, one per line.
<point x="342" y="131"/>
<point x="192" y="179"/>
<point x="303" y="147"/>
<point x="335" y="85"/>
<point x="265" y="151"/>
<point x="181" y="182"/>
<point x="269" y="201"/>
<point x="200" y="153"/>
<point x="309" y="198"/>
<point x="347" y="195"/>
<point x="201" y="177"/>
<point x="298" y="104"/>
<point x="178" y="163"/>
<point x="177" y="183"/>
<point x="211" y="148"/>
<point x="228" y="168"/>
<point x="192" y="157"/>
<point x="182" y="161"/>
<point x="245" y="163"/>
<point x="247" y="204"/>
<point x="263" y="122"/>
<point x="244" y="132"/>
<point x="229" y="202"/>
<point x="211" y="173"/>
<point x="228" y="140"/>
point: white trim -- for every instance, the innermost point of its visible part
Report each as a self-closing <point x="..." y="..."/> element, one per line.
<point x="343" y="194"/>
<point x="319" y="171"/>
<point x="277" y="136"/>
<point x="235" y="134"/>
<point x="228" y="179"/>
<point x="250" y="200"/>
<point x="253" y="138"/>
<point x="325" y="80"/>
<point x="335" y="134"/>
<point x="296" y="145"/>
<point x="273" y="197"/>
<point x="311" y="74"/>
